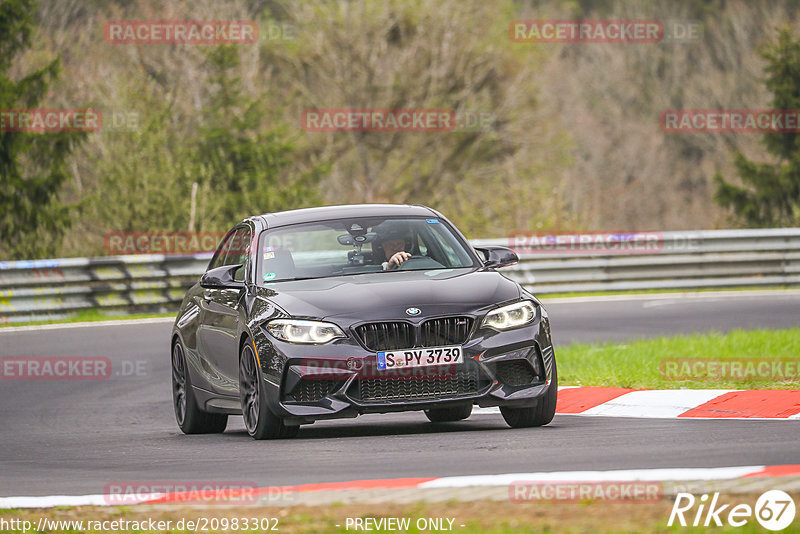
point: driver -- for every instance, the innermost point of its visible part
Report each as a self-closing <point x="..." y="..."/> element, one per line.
<point x="394" y="243"/>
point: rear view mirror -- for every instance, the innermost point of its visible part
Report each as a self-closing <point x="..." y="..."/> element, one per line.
<point x="346" y="240"/>
<point x="359" y="239"/>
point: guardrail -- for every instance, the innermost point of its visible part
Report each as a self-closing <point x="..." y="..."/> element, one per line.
<point x="43" y="289"/>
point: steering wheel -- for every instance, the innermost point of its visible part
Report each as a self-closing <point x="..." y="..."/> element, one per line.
<point x="402" y="265"/>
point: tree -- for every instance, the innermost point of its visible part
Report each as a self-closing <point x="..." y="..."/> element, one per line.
<point x="242" y="154"/>
<point x="770" y="194"/>
<point x="412" y="54"/>
<point x="33" y="166"/>
<point x="141" y="182"/>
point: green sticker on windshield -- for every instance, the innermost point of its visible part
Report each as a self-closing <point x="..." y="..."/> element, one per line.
<point x="269" y="276"/>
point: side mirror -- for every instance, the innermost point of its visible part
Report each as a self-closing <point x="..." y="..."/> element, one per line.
<point x="497" y="257"/>
<point x="221" y="278"/>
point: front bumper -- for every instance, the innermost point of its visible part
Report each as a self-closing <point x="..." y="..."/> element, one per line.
<point x="511" y="368"/>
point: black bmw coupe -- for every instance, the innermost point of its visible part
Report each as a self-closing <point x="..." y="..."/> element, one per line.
<point x="337" y="311"/>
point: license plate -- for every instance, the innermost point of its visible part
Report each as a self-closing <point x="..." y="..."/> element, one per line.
<point x="401" y="359"/>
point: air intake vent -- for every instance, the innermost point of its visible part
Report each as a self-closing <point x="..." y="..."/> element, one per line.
<point x="446" y="331"/>
<point x="446" y="382"/>
<point x="386" y="336"/>
<point x="313" y="389"/>
<point x="515" y="373"/>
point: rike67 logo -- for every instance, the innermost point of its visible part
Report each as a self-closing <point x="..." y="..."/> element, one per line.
<point x="774" y="510"/>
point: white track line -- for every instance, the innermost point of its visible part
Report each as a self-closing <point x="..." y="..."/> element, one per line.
<point x="53" y="500"/>
<point x="665" y="403"/>
<point x="621" y="475"/>
<point x="667" y="296"/>
<point x="56" y="326"/>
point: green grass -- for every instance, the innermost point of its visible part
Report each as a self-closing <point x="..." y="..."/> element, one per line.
<point x="88" y="316"/>
<point x="644" y="364"/>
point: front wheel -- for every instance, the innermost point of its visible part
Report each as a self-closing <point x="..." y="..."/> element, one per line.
<point x="191" y="419"/>
<point x="259" y="420"/>
<point x="538" y="415"/>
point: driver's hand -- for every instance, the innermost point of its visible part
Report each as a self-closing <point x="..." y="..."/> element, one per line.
<point x="398" y="258"/>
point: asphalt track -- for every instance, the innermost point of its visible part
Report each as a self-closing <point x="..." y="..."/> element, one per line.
<point x="76" y="437"/>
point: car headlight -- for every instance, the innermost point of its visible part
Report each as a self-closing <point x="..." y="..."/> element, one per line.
<point x="299" y="331"/>
<point x="511" y="316"/>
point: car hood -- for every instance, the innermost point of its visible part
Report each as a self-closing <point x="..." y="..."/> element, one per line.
<point x="382" y="296"/>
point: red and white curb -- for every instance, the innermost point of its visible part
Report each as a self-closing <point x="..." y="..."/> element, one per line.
<point x="675" y="403"/>
<point x="623" y="475"/>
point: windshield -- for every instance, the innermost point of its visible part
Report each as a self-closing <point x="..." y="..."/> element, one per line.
<point x="358" y="246"/>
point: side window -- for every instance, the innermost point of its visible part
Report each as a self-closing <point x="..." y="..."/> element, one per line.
<point x="222" y="252"/>
<point x="239" y="251"/>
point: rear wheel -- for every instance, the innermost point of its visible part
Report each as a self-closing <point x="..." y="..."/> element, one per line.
<point x="446" y="415"/>
<point x="191" y="419"/>
<point x="260" y="422"/>
<point x="538" y="415"/>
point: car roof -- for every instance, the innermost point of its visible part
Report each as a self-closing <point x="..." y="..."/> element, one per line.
<point x="323" y="213"/>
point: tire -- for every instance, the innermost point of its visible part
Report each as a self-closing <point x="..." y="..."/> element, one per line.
<point x="259" y="420"/>
<point x="538" y="415"/>
<point x="191" y="419"/>
<point x="446" y="415"/>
